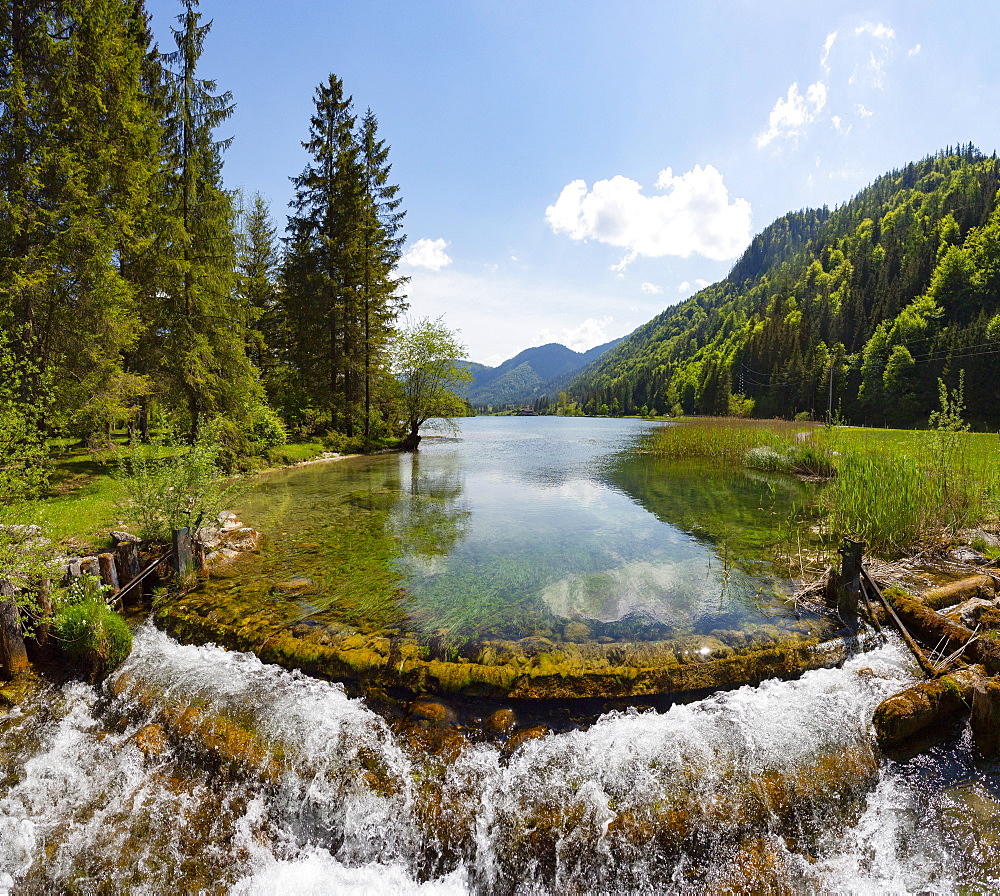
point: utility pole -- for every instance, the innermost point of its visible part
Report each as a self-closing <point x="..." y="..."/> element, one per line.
<point x="829" y="406"/>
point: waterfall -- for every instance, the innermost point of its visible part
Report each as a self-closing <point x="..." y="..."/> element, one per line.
<point x="197" y="769"/>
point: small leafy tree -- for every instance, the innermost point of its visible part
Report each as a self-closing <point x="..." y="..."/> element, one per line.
<point x="950" y="462"/>
<point x="427" y="363"/>
<point x="167" y="487"/>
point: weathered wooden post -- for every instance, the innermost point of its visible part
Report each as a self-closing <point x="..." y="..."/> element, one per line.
<point x="109" y="571"/>
<point x="13" y="656"/>
<point x="127" y="561"/>
<point x="850" y="580"/>
<point x="183" y="553"/>
<point x="985" y="717"/>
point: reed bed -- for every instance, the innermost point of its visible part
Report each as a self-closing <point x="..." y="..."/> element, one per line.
<point x="723" y="439"/>
<point x="898" y="491"/>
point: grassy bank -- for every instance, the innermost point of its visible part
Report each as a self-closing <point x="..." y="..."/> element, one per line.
<point x="84" y="500"/>
<point x="898" y="491"/>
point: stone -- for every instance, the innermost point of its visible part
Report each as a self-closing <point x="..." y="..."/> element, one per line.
<point x="985" y="717"/>
<point x="152" y="740"/>
<point x="969" y="612"/>
<point x="119" y="537"/>
<point x="521" y="738"/>
<point x="968" y="555"/>
<point x="434" y="712"/>
<point x="501" y="722"/>
<point x="242" y="539"/>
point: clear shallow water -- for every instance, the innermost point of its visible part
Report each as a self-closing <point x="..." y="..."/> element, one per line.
<point x="768" y="789"/>
<point x="521" y="525"/>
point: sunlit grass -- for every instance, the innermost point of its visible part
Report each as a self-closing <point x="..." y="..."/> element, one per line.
<point x="896" y="490"/>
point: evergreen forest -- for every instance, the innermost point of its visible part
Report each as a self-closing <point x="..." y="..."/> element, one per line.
<point x="138" y="290"/>
<point x="855" y="312"/>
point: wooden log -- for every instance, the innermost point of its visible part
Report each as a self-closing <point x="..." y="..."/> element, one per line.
<point x="922" y="660"/>
<point x="934" y="629"/>
<point x="109" y="572"/>
<point x="13" y="656"/>
<point x="926" y="704"/>
<point x="956" y="592"/>
<point x="44" y="626"/>
<point x="985" y="717"/>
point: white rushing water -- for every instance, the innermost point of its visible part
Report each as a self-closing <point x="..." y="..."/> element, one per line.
<point x="272" y="782"/>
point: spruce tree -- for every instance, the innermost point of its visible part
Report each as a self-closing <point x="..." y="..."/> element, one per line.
<point x="204" y="339"/>
<point x="382" y="246"/>
<point x="339" y="274"/>
<point x="77" y="162"/>
<point x="321" y="273"/>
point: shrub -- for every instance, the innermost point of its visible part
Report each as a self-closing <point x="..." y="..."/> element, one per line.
<point x="766" y="458"/>
<point x="337" y="441"/>
<point x="90" y="633"/>
<point x="166" y="488"/>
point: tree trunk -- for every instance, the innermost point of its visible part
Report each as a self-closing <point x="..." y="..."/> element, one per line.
<point x="13" y="656"/>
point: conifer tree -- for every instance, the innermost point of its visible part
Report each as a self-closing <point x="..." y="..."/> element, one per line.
<point x="77" y="161"/>
<point x="204" y="339"/>
<point x="320" y="271"/>
<point x="382" y="246"/>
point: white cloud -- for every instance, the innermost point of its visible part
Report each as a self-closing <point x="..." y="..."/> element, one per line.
<point x="913" y="51"/>
<point x="863" y="112"/>
<point x="651" y="288"/>
<point x="879" y="31"/>
<point x="692" y="216"/>
<point x="698" y="284"/>
<point x="428" y="254"/>
<point x="793" y="112"/>
<point x="827" y="46"/>
<point x="580" y="339"/>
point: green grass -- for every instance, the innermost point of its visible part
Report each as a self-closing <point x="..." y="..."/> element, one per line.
<point x="84" y="501"/>
<point x="896" y="490"/>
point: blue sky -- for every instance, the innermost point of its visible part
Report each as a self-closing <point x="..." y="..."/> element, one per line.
<point x="570" y="169"/>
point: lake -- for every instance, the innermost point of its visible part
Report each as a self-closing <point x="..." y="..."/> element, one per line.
<point x="519" y="527"/>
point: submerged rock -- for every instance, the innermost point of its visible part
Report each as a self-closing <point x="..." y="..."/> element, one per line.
<point x="434" y="712"/>
<point x="501" y="722"/>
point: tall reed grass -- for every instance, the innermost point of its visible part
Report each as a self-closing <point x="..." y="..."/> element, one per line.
<point x="896" y="502"/>
<point x="894" y="490"/>
<point x="723" y="439"/>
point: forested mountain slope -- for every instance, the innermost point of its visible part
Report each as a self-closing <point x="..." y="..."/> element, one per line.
<point x="894" y="289"/>
<point x="533" y="372"/>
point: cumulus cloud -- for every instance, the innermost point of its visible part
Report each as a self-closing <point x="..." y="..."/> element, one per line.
<point x="913" y="50"/>
<point x="427" y="254"/>
<point x="863" y="112"/>
<point x="651" y="288"/>
<point x="692" y="216"/>
<point x="588" y="334"/>
<point x="791" y="113"/>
